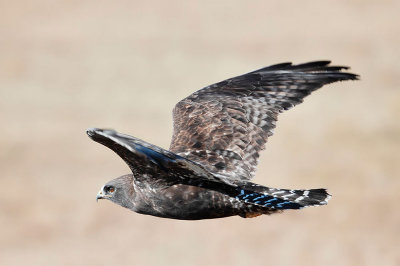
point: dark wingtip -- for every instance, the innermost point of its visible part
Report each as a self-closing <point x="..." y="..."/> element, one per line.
<point x="91" y="132"/>
<point x="94" y="133"/>
<point x="354" y="76"/>
<point x="312" y="64"/>
<point x="321" y="66"/>
<point x="341" y="76"/>
<point x="98" y="133"/>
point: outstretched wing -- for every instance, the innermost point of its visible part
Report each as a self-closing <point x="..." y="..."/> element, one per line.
<point x="224" y="126"/>
<point x="150" y="163"/>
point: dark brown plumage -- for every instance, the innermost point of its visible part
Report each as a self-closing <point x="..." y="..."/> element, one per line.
<point x="219" y="132"/>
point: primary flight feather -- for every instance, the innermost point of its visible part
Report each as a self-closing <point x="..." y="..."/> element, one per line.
<point x="219" y="132"/>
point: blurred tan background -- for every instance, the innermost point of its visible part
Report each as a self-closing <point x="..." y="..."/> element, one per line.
<point x="66" y="66"/>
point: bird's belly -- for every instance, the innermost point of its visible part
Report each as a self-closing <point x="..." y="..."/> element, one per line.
<point x="193" y="203"/>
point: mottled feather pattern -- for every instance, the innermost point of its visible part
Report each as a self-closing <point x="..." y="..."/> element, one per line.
<point x="153" y="161"/>
<point x="267" y="201"/>
<point x="219" y="132"/>
<point x="239" y="114"/>
<point x="283" y="198"/>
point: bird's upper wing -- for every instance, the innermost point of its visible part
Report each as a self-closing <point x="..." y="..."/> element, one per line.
<point x="224" y="126"/>
<point x="150" y="163"/>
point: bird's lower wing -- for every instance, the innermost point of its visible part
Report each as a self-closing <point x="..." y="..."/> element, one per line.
<point x="154" y="165"/>
<point x="149" y="162"/>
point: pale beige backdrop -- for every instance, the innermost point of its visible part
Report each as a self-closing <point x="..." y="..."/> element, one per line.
<point x="66" y="66"/>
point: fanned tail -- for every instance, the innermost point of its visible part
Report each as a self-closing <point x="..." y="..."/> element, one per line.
<point x="281" y="199"/>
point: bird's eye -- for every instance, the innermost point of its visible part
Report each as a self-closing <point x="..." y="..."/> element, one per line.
<point x="109" y="189"/>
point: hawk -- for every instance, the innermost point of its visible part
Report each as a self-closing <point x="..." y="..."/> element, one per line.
<point x="219" y="132"/>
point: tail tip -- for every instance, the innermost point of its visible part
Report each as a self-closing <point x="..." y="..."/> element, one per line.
<point x="320" y="196"/>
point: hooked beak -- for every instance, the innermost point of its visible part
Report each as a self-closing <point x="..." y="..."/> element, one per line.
<point x="101" y="195"/>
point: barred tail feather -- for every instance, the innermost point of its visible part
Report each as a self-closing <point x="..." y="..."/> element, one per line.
<point x="281" y="199"/>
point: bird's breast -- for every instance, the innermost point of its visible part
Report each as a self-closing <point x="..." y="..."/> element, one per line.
<point x="191" y="203"/>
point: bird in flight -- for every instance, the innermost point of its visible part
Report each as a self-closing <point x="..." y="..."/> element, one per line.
<point x="219" y="132"/>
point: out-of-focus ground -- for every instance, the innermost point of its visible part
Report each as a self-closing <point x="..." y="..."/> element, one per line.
<point x="66" y="66"/>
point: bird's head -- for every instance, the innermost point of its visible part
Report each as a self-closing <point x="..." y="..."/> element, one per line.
<point x="119" y="190"/>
